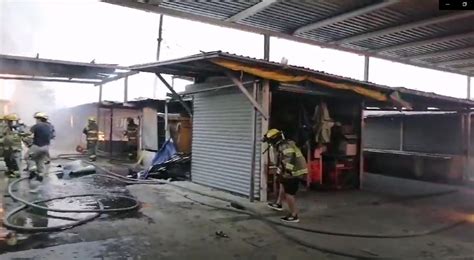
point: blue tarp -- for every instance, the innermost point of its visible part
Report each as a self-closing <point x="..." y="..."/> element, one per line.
<point x="166" y="152"/>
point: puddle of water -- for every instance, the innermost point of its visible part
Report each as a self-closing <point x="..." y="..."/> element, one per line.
<point x="34" y="217"/>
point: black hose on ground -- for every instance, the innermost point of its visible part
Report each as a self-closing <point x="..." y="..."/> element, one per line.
<point x="26" y="204"/>
<point x="9" y="224"/>
<point x="135" y="205"/>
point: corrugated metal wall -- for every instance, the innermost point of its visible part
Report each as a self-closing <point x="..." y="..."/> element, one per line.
<point x="382" y="133"/>
<point x="433" y="134"/>
<point x="429" y="133"/>
<point x="222" y="142"/>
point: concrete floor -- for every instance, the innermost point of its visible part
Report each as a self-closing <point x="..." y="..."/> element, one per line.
<point x="171" y="226"/>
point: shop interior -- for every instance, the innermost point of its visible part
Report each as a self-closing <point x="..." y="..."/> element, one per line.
<point x="327" y="130"/>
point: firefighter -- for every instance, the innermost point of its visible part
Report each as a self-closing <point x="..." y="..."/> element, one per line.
<point x="291" y="168"/>
<point x="12" y="143"/>
<point x="53" y="136"/>
<point x="132" y="138"/>
<point x="39" y="146"/>
<point x="92" y="135"/>
<point x="3" y="128"/>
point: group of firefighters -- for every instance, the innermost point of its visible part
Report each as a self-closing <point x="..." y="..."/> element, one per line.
<point x="14" y="134"/>
<point x="290" y="161"/>
<point x="92" y="136"/>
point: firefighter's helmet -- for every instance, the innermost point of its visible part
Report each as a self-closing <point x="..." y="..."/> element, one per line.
<point x="92" y="119"/>
<point x="12" y="117"/>
<point x="273" y="136"/>
<point x="41" y="115"/>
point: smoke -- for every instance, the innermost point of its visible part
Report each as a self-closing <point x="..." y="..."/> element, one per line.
<point x="19" y="23"/>
<point x="30" y="97"/>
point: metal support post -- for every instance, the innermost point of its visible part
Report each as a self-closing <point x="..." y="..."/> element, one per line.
<point x="467" y="174"/>
<point x="469" y="87"/>
<point x="266" y="47"/>
<point x="176" y="95"/>
<point x="158" y="51"/>
<point x="125" y="89"/>
<point x="366" y="67"/>
<point x="160" y="39"/>
<point x="167" y="130"/>
<point x="98" y="106"/>
<point x="111" y="130"/>
<point x="402" y="133"/>
<point x="100" y="93"/>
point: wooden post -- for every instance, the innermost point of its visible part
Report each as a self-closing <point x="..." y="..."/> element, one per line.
<point x="360" y="143"/>
<point x="254" y="148"/>
<point x="264" y="167"/>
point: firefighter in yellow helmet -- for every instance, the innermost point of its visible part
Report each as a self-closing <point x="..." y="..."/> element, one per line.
<point x="291" y="167"/>
<point x="92" y="135"/>
<point x="132" y="138"/>
<point x="12" y="143"/>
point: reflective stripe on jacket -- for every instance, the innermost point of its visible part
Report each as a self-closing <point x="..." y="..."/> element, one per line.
<point x="290" y="159"/>
<point x="12" y="139"/>
<point x="91" y="132"/>
<point x="132" y="132"/>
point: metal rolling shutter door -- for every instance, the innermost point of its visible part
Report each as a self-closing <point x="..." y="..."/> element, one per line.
<point x="222" y="143"/>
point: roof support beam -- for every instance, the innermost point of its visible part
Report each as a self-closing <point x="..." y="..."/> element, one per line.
<point x="404" y="27"/>
<point x="117" y="77"/>
<point x="176" y="95"/>
<point x="254" y="9"/>
<point x="455" y="62"/>
<point x="344" y="16"/>
<point x="426" y="42"/>
<point x="251" y="99"/>
<point x="441" y="53"/>
<point x="42" y="79"/>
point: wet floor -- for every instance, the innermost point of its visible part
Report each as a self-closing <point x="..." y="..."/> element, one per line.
<point x="63" y="180"/>
<point x="169" y="225"/>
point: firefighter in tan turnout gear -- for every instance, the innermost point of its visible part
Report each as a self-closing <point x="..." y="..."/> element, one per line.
<point x="291" y="167"/>
<point x="92" y="135"/>
<point x="132" y="138"/>
<point x="12" y="144"/>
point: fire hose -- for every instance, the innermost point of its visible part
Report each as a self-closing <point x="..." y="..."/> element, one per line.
<point x="36" y="205"/>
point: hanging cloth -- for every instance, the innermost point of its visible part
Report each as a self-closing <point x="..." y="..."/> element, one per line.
<point x="322" y="124"/>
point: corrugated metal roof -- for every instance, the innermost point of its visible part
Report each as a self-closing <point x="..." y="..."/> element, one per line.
<point x="27" y="68"/>
<point x="214" y="9"/>
<point x="347" y="25"/>
<point x="200" y="65"/>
